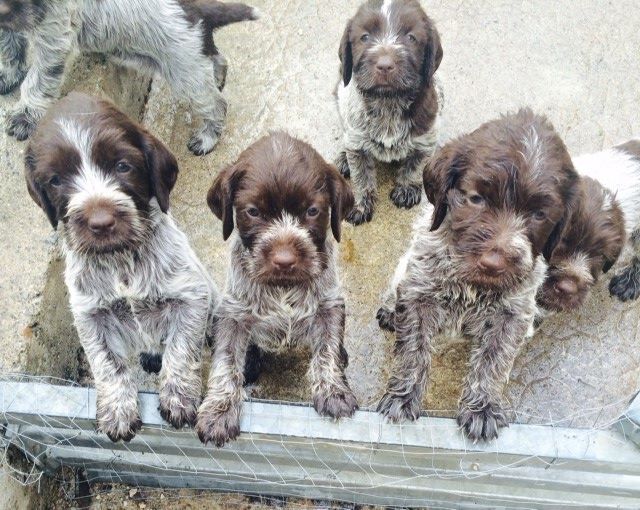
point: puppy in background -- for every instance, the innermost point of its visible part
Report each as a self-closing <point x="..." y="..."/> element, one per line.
<point x="135" y="284"/>
<point x="502" y="196"/>
<point x="282" y="289"/>
<point x="387" y="99"/>
<point x="169" y="38"/>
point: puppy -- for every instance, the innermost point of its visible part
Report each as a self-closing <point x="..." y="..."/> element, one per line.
<point x="590" y="246"/>
<point x="387" y="99"/>
<point x="502" y="197"/>
<point x="282" y="289"/>
<point x="169" y="38"/>
<point x="618" y="170"/>
<point x="134" y="282"/>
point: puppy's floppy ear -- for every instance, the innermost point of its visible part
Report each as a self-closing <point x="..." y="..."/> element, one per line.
<point x="572" y="197"/>
<point x="346" y="55"/>
<point x="342" y="199"/>
<point x="439" y="176"/>
<point x="37" y="192"/>
<point x="222" y="194"/>
<point x="162" y="167"/>
<point x="432" y="55"/>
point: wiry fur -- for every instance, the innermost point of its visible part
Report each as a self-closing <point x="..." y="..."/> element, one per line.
<point x="138" y="288"/>
<point x="487" y="189"/>
<point x="280" y="177"/>
<point x="168" y="38"/>
<point x="618" y="170"/>
<point x="388" y="117"/>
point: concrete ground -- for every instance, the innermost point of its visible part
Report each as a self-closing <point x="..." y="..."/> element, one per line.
<point x="577" y="62"/>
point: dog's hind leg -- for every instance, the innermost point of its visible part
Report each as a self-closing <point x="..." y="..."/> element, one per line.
<point x="13" y="50"/>
<point x="52" y="44"/>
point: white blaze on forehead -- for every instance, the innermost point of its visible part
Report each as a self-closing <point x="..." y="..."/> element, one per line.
<point x="389" y="39"/>
<point x="91" y="183"/>
<point x="286" y="226"/>
<point x="532" y="150"/>
<point x="386" y="9"/>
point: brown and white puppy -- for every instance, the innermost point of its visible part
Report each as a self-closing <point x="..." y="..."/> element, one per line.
<point x="388" y="99"/>
<point x="502" y="196"/>
<point x="135" y="285"/>
<point x="590" y="246"/>
<point x="169" y="38"/>
<point x="282" y="289"/>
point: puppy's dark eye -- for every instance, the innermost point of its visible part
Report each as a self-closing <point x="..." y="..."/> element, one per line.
<point x="412" y="38"/>
<point x="313" y="211"/>
<point x="476" y="199"/>
<point x="364" y="37"/>
<point x="539" y="216"/>
<point x="253" y="212"/>
<point x="55" y="181"/>
<point x="122" y="167"/>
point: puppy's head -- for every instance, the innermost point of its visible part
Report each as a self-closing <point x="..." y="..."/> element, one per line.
<point x="504" y="193"/>
<point x="19" y="15"/>
<point x="93" y="169"/>
<point x="390" y="48"/>
<point x="284" y="196"/>
<point x="590" y="245"/>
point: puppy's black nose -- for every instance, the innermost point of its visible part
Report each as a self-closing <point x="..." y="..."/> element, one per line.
<point x="284" y="258"/>
<point x="566" y="286"/>
<point x="492" y="263"/>
<point x="385" y="64"/>
<point x="101" y="221"/>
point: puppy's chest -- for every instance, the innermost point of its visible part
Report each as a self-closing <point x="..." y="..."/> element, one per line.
<point x="389" y="132"/>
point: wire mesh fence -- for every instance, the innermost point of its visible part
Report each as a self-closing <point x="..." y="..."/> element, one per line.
<point x="286" y="450"/>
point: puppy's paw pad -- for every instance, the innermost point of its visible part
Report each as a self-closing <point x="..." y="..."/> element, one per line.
<point x="482" y="424"/>
<point x="399" y="408"/>
<point x="22" y="123"/>
<point x="202" y="143"/>
<point x="406" y="196"/>
<point x="177" y="409"/>
<point x="338" y="404"/>
<point x="151" y="362"/>
<point x="218" y="428"/>
<point x="626" y="285"/>
<point x="386" y="319"/>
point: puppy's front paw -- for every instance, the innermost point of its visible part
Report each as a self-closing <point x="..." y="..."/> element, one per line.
<point x="119" y="423"/>
<point x="343" y="165"/>
<point x="178" y="409"/>
<point x="386" y="319"/>
<point x="362" y="211"/>
<point x="22" y="123"/>
<point x="399" y="408"/>
<point x="10" y="79"/>
<point x="203" y="142"/>
<point x="406" y="196"/>
<point x="218" y="427"/>
<point x="335" y="403"/>
<point x="482" y="424"/>
<point x="626" y="285"/>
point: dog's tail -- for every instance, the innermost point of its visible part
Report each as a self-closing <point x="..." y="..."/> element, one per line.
<point x="216" y="14"/>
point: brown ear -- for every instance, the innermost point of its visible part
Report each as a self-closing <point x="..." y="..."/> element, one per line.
<point x="222" y="194"/>
<point x="342" y="199"/>
<point x="162" y="167"/>
<point x="571" y="200"/>
<point x="432" y="55"/>
<point x="439" y="176"/>
<point x="37" y="192"/>
<point x="346" y="55"/>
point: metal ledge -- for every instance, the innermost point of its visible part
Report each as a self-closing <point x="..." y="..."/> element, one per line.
<point x="288" y="450"/>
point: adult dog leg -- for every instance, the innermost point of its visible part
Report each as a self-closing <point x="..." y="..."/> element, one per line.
<point x="331" y="393"/>
<point x="52" y="42"/>
<point x="13" y="53"/>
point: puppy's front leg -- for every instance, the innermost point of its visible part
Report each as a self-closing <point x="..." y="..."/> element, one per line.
<point x="363" y="177"/>
<point x="408" y="189"/>
<point x="219" y="414"/>
<point x="626" y="285"/>
<point x="51" y="45"/>
<point x="499" y="338"/>
<point x="417" y="321"/>
<point x="13" y="52"/>
<point x="106" y="337"/>
<point x="331" y="393"/>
